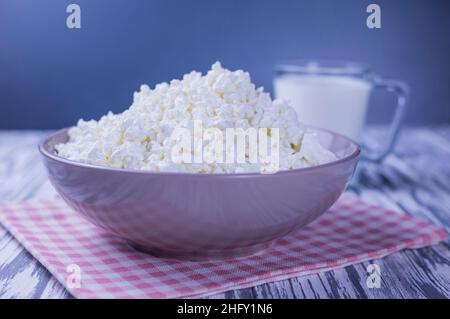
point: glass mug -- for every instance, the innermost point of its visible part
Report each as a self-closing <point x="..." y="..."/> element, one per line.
<point x="335" y="96"/>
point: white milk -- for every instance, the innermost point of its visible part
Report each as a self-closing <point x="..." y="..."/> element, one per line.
<point x="337" y="103"/>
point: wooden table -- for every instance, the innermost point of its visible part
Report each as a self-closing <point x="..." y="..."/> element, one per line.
<point x="414" y="180"/>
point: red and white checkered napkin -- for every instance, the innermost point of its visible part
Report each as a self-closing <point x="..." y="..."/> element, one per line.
<point x="350" y="232"/>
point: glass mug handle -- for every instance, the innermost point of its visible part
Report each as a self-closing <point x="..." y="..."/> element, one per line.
<point x="401" y="90"/>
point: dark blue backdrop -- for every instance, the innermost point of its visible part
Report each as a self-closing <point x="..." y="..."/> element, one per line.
<point x="50" y="76"/>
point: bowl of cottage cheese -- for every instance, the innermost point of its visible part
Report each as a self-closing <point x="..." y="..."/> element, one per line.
<point x="204" y="167"/>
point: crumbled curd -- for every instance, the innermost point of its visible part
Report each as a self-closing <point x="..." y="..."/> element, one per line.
<point x="140" y="137"/>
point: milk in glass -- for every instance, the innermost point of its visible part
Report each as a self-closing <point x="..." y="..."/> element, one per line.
<point x="337" y="103"/>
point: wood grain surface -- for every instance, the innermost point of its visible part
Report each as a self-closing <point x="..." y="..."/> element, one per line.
<point x="414" y="180"/>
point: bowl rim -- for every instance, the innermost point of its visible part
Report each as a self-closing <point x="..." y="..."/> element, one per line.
<point x="55" y="157"/>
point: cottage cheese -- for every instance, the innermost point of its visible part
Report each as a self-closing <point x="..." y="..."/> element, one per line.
<point x="140" y="137"/>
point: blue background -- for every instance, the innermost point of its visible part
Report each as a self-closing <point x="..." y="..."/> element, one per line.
<point x="50" y="75"/>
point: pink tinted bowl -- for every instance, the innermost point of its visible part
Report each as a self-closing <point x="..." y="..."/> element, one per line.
<point x="200" y="216"/>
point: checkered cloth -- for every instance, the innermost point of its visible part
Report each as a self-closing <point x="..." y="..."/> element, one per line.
<point x="350" y="232"/>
